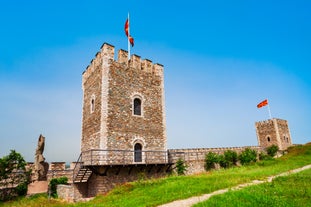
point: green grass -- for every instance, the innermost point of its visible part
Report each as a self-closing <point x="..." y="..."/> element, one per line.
<point x="160" y="191"/>
<point x="293" y="190"/>
<point x="37" y="200"/>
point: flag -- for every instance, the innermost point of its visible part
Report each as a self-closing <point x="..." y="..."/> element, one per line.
<point x="263" y="103"/>
<point x="126" y="29"/>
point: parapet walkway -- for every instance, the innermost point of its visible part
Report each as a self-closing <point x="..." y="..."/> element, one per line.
<point x="197" y="199"/>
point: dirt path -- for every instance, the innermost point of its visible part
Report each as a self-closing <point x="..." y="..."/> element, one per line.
<point x="193" y="200"/>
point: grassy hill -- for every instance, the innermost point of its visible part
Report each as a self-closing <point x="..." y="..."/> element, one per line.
<point x="292" y="190"/>
<point x="160" y="191"/>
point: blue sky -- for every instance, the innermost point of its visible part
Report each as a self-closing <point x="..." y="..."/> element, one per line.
<point x="221" y="59"/>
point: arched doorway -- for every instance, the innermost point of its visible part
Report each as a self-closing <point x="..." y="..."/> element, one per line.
<point x="137" y="152"/>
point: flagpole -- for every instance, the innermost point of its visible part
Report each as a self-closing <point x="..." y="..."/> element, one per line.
<point x="128" y="39"/>
<point x="269" y="111"/>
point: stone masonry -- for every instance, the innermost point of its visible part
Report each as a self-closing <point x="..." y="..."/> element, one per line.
<point x="109" y="90"/>
<point x="273" y="132"/>
<point x="195" y="158"/>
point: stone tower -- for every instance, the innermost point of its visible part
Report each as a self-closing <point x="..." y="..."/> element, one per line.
<point x="123" y="105"/>
<point x="273" y="132"/>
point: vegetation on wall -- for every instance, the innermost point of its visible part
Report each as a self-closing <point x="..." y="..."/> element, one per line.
<point x="53" y="185"/>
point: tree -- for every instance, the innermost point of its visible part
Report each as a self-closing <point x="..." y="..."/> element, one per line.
<point x="13" y="175"/>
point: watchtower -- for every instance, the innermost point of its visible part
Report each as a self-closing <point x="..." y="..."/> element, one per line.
<point x="123" y="117"/>
<point x="273" y="132"/>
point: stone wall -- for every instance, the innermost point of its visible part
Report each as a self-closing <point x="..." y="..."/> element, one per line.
<point x="124" y="128"/>
<point x="60" y="173"/>
<point x="194" y="158"/>
<point x="65" y="192"/>
<point x="57" y="166"/>
<point x="56" y="170"/>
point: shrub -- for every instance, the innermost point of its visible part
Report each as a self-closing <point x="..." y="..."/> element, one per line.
<point x="272" y="150"/>
<point x="21" y="189"/>
<point x="211" y="159"/>
<point x="222" y="161"/>
<point x="53" y="185"/>
<point x="231" y="158"/>
<point x="181" y="167"/>
<point x="263" y="156"/>
<point x="248" y="156"/>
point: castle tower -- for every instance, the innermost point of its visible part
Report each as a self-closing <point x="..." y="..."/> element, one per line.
<point x="123" y="123"/>
<point x="123" y="106"/>
<point x="273" y="132"/>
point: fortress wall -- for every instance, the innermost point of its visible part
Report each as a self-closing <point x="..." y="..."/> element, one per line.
<point x="56" y="170"/>
<point x="194" y="158"/>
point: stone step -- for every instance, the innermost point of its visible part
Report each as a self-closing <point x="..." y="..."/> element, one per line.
<point x="83" y="175"/>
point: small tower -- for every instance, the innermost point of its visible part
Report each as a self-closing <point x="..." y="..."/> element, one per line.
<point x="273" y="132"/>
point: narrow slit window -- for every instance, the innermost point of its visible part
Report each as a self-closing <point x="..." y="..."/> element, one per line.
<point x="137" y="107"/>
<point x="92" y="105"/>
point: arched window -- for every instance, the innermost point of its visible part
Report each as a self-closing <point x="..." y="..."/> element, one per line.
<point x="137" y="107"/>
<point x="137" y="152"/>
<point x="268" y="138"/>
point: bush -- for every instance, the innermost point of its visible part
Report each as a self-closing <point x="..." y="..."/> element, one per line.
<point x="272" y="150"/>
<point x="222" y="161"/>
<point x="263" y="156"/>
<point x="53" y="185"/>
<point x="210" y="160"/>
<point x="21" y="189"/>
<point x="231" y="158"/>
<point x="181" y="167"/>
<point x="248" y="156"/>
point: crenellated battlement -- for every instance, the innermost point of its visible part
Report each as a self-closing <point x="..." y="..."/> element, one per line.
<point x="265" y="122"/>
<point x="271" y="122"/>
<point x="106" y="56"/>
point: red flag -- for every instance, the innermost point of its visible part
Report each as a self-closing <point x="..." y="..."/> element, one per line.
<point x="263" y="103"/>
<point x="126" y="29"/>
